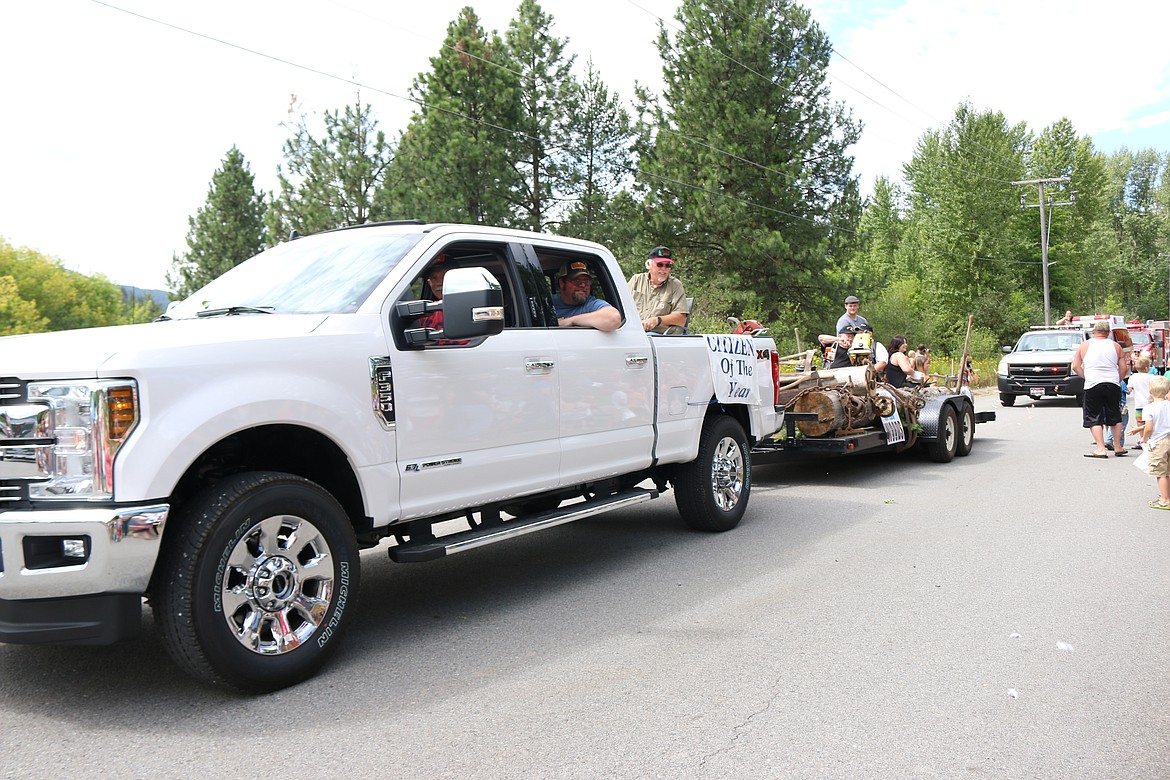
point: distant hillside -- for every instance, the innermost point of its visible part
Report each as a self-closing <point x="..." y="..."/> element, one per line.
<point x="136" y="293"/>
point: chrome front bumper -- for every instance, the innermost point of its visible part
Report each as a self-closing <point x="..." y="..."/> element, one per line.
<point x="63" y="553"/>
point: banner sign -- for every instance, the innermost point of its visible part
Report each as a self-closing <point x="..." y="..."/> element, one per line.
<point x="733" y="367"/>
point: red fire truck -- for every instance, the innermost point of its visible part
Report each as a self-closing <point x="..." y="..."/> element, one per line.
<point x="1150" y="338"/>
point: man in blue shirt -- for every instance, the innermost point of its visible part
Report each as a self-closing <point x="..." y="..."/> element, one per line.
<point x="576" y="306"/>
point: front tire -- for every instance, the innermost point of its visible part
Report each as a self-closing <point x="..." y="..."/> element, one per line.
<point x="259" y="577"/>
<point x="966" y="431"/>
<point x="942" y="449"/>
<point x="1007" y="399"/>
<point x="712" y="491"/>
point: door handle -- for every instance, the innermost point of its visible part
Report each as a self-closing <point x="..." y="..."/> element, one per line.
<point x="539" y="366"/>
<point x="636" y="361"/>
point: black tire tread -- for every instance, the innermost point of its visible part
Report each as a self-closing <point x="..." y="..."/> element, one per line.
<point x="176" y="570"/>
<point x="692" y="481"/>
<point x="938" y="450"/>
<point x="963" y="448"/>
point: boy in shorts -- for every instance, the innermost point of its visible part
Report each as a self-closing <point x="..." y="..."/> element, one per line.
<point x="1155" y="432"/>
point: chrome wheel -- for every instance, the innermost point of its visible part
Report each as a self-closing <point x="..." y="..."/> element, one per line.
<point x="712" y="490"/>
<point x="727" y="474"/>
<point x="277" y="585"/>
<point x="257" y="581"/>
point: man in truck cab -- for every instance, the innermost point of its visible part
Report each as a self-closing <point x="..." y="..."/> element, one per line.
<point x="660" y="298"/>
<point x="433" y="291"/>
<point x="576" y="306"/>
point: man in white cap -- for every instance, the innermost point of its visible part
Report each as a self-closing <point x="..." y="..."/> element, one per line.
<point x="851" y="317"/>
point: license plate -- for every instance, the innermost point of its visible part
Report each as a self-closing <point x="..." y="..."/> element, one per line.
<point x="1036" y="392"/>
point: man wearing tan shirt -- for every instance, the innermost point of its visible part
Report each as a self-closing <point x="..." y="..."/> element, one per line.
<point x="660" y="298"/>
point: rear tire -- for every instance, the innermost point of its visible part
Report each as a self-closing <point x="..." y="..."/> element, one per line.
<point x="258" y="579"/>
<point x="942" y="449"/>
<point x="1007" y="399"/>
<point x="966" y="431"/>
<point x="712" y="491"/>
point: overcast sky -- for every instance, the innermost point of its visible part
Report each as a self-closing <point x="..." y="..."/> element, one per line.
<point x="114" y="123"/>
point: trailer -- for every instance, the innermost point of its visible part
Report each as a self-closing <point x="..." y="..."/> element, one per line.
<point x="944" y="427"/>
<point x="852" y="410"/>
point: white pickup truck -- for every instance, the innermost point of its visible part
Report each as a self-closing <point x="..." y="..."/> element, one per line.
<point x="229" y="461"/>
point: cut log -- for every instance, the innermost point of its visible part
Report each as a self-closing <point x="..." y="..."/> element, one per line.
<point x="860" y="378"/>
<point x="836" y="409"/>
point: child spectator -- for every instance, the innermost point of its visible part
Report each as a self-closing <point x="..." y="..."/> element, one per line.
<point x="922" y="363"/>
<point x="1119" y="450"/>
<point x="1156" y="436"/>
<point x="923" y="354"/>
<point x="1139" y="388"/>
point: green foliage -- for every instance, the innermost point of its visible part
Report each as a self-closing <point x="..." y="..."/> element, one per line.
<point x="453" y="162"/>
<point x="226" y="231"/>
<point x="142" y="309"/>
<point x="744" y="157"/>
<point x="898" y="311"/>
<point x="331" y="181"/>
<point x="41" y="294"/>
<point x="16" y="314"/>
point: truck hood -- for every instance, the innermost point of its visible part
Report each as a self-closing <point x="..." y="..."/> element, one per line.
<point x="104" y="352"/>
<point x="1040" y="357"/>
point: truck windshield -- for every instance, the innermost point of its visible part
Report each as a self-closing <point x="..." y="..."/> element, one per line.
<point x="1050" y="342"/>
<point x="327" y="273"/>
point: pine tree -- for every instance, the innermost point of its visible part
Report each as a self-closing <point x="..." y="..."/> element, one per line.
<point x="225" y="231"/>
<point x="331" y="180"/>
<point x="599" y="144"/>
<point x="539" y="146"/>
<point x="745" y="157"/>
<point x="452" y="163"/>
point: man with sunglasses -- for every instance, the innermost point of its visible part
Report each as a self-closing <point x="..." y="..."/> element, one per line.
<point x="576" y="306"/>
<point x="661" y="299"/>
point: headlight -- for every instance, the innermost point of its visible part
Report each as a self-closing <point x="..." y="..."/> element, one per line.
<point x="1002" y="368"/>
<point x="90" y="421"/>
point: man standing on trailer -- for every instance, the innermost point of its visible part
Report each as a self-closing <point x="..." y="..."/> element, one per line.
<point x="851" y="318"/>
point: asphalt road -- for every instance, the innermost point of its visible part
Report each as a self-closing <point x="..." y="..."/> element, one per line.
<point x="1005" y="615"/>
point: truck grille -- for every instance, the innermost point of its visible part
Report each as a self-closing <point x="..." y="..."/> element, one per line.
<point x="20" y="443"/>
<point x="12" y="390"/>
<point x="13" y="491"/>
<point x="1038" y="372"/>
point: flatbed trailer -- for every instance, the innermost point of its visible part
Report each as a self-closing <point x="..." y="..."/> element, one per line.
<point x="947" y="429"/>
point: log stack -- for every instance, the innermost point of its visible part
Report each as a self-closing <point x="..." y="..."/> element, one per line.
<point x="843" y="400"/>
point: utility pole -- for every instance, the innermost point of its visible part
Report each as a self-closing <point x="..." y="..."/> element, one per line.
<point x="1044" y="204"/>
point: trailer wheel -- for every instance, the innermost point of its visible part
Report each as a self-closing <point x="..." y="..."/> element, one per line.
<point x="966" y="431"/>
<point x="942" y="449"/>
<point x="1007" y="399"/>
<point x="257" y="582"/>
<point x="712" y="491"/>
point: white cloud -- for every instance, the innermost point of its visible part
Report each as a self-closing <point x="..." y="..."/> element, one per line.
<point x="1105" y="67"/>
